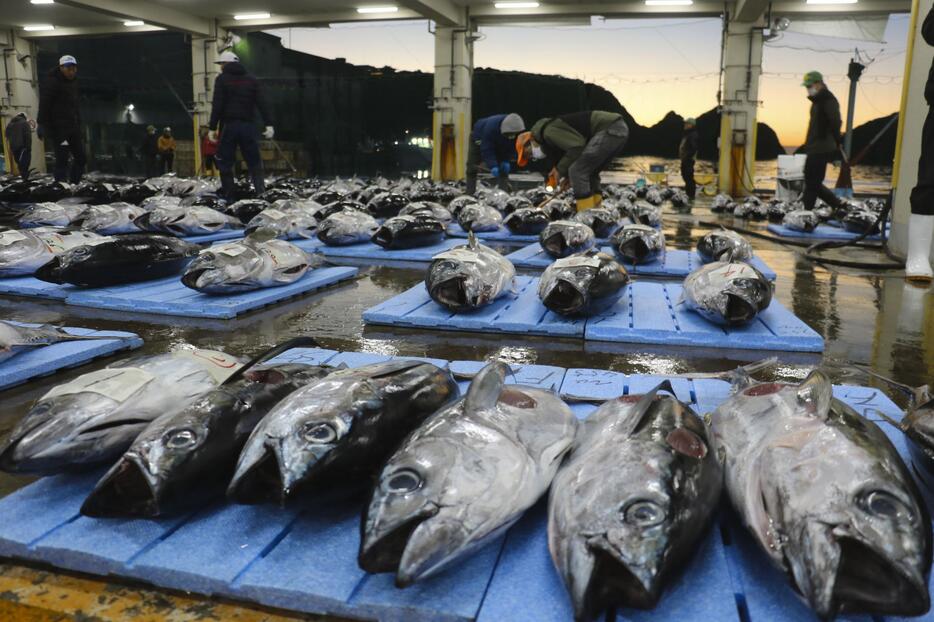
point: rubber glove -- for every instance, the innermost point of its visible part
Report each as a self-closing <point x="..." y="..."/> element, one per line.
<point x="212" y="136"/>
<point x="504" y="168"/>
<point x="494" y="171"/>
<point x="269" y="132"/>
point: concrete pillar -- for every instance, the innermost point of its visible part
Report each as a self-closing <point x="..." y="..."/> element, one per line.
<point x="912" y="113"/>
<point x="451" y="120"/>
<point x="742" y="65"/>
<point x="204" y="71"/>
<point x="20" y="91"/>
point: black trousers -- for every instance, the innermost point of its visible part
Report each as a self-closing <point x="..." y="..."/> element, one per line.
<point x="475" y="165"/>
<point x="73" y="149"/>
<point x="815" y="169"/>
<point x="687" y="174"/>
<point x="922" y="196"/>
<point x="168" y="159"/>
<point x="24" y="161"/>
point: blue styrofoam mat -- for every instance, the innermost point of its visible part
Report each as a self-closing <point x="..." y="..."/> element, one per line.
<point x="31" y="287"/>
<point x="304" y="558"/>
<point x="228" y="234"/>
<point x="675" y="263"/>
<point x="49" y="359"/>
<point x="171" y="297"/>
<point x="822" y="232"/>
<point x="648" y="312"/>
<point x="375" y="253"/>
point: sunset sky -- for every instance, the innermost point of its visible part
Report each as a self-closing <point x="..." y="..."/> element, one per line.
<point x="652" y="66"/>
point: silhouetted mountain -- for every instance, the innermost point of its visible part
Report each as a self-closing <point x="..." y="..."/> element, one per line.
<point x="882" y="153"/>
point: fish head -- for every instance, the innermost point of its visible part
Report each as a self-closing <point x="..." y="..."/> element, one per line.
<point x="22" y="251"/>
<point x="391" y="229"/>
<point x="454" y="284"/>
<point x="222" y="265"/>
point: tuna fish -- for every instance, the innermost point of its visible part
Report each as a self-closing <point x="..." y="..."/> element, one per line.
<point x="723" y="243"/>
<point x="387" y="204"/>
<point x="566" y="237"/>
<point x="16" y="339"/>
<point x="95" y="417"/>
<point x="346" y="227"/>
<point x="479" y="217"/>
<point x="288" y="224"/>
<point x="341" y="428"/>
<point x="51" y="214"/>
<point x="527" y="221"/>
<point x="110" y="219"/>
<point x="826" y="496"/>
<point x="582" y="285"/>
<point x="459" y="203"/>
<point x="185" y="455"/>
<point x="722" y="203"/>
<point x="680" y="198"/>
<point x="464" y="477"/>
<point x="128" y="258"/>
<point x="631" y="501"/>
<point x="246" y="210"/>
<point x="778" y="210"/>
<point x="604" y="222"/>
<point x="182" y="221"/>
<point x="256" y="262"/>
<point x="639" y="244"/>
<point x="419" y="229"/>
<point x="427" y="207"/>
<point x="801" y="220"/>
<point x="469" y="276"/>
<point x="861" y="221"/>
<point x="517" y="202"/>
<point x="645" y="214"/>
<point x="560" y="209"/>
<point x="23" y="252"/>
<point x="727" y="293"/>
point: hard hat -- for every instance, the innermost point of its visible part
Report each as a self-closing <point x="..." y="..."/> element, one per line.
<point x="512" y="124"/>
<point x="690" y="121"/>
<point x="523" y="148"/>
<point x="227" y="57"/>
<point x="167" y="129"/>
<point x="67" y="59"/>
<point x="812" y="77"/>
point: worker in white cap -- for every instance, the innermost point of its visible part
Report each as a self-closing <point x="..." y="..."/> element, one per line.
<point x="237" y="97"/>
<point x="60" y="119"/>
<point x="491" y="148"/>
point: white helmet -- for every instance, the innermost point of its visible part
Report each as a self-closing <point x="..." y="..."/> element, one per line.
<point x="227" y="57"/>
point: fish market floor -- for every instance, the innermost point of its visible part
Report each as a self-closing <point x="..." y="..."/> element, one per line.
<point x="865" y="317"/>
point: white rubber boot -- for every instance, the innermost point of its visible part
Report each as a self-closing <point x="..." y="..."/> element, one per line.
<point x="918" y="265"/>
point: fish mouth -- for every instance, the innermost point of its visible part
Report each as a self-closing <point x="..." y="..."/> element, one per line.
<point x="261" y="481"/>
<point x="127" y="490"/>
<point x="383" y="237"/>
<point x="382" y="551"/>
<point x="565" y="299"/>
<point x="192" y="277"/>
<point x="555" y="245"/>
<point x="738" y="310"/>
<point x="451" y="293"/>
<point x="612" y="583"/>
<point x="634" y="249"/>
<point x="50" y="272"/>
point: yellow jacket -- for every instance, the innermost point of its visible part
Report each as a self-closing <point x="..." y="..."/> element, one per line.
<point x="166" y="143"/>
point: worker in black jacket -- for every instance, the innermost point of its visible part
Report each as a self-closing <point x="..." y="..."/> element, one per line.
<point x="921" y="224"/>
<point x="687" y="151"/>
<point x="823" y="141"/>
<point x="237" y="95"/>
<point x="150" y="151"/>
<point x="19" y="137"/>
<point x="60" y="119"/>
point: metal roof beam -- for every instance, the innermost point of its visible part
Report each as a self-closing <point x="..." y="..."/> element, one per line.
<point x="89" y="31"/>
<point x="749" y="10"/>
<point x="442" y="12"/>
<point x="489" y="13"/>
<point x="151" y="13"/>
<point x="864" y="7"/>
<point x="318" y="19"/>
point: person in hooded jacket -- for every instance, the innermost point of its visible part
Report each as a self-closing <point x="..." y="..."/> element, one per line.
<point x="60" y="119"/>
<point x="921" y="223"/>
<point x="19" y="137"/>
<point x="150" y="151"/>
<point x="491" y="144"/>
<point x="237" y="97"/>
<point x="823" y="141"/>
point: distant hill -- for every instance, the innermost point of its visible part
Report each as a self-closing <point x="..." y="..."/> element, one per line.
<point x="882" y="153"/>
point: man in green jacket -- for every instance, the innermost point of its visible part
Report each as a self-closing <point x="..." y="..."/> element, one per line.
<point x="823" y="140"/>
<point x="581" y="144"/>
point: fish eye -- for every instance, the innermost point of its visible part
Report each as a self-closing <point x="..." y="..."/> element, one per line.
<point x="643" y="513"/>
<point x="82" y="250"/>
<point x="180" y="439"/>
<point x="403" y="481"/>
<point x="319" y="433"/>
<point x="884" y="504"/>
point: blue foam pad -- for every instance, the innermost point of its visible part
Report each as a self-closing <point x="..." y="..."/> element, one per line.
<point x="32" y="287"/>
<point x="648" y="312"/>
<point x="675" y="263"/>
<point x="377" y="254"/>
<point x="230" y="234"/>
<point x="822" y="232"/>
<point x="47" y="360"/>
<point x="501" y="235"/>
<point x="170" y="297"/>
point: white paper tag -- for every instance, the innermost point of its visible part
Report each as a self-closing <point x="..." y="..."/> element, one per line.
<point x="273" y="213"/>
<point x="118" y="383"/>
<point x="218" y="364"/>
<point x="578" y="262"/>
<point x="231" y="250"/>
<point x="105" y="209"/>
<point x="8" y="237"/>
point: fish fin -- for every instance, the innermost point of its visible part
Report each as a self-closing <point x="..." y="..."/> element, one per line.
<point x="641" y="408"/>
<point x="904" y="388"/>
<point x="393" y="367"/>
<point x="297" y="342"/>
<point x="816" y="392"/>
<point x="889" y="420"/>
<point x="262" y="234"/>
<point x="472" y="242"/>
<point x="486" y="387"/>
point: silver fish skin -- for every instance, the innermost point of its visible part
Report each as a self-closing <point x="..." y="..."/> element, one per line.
<point x="188" y="220"/>
<point x="15" y="339"/>
<point x="96" y="416"/>
<point x="343" y="426"/>
<point x="110" y="219"/>
<point x="430" y="207"/>
<point x="639" y="243"/>
<point x="256" y="262"/>
<point x="582" y="285"/>
<point x="826" y="496"/>
<point x="469" y="276"/>
<point x="727" y="293"/>
<point x="479" y="217"/>
<point x="51" y="214"/>
<point x="719" y="244"/>
<point x="290" y="220"/>
<point x="347" y="227"/>
<point x="23" y="252"/>
<point x="464" y="477"/>
<point x="801" y="220"/>
<point x="182" y="455"/>
<point x="631" y="501"/>
<point x="562" y="238"/>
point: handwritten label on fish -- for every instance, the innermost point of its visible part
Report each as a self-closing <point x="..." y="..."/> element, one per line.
<point x="734" y="271"/>
<point x="232" y="250"/>
<point x="220" y="365"/>
<point x="117" y="384"/>
<point x="578" y="262"/>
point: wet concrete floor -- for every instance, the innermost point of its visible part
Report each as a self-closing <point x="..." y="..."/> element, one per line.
<point x="868" y="317"/>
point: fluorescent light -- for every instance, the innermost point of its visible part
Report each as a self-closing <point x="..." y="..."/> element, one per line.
<point x="831" y="1"/>
<point x="38" y="27"/>
<point x="42" y="1"/>
<point x="669" y="2"/>
<point x="244" y="16"/>
<point x="134" y="22"/>
<point x="131" y="107"/>
<point x="516" y="5"/>
<point x="377" y="9"/>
